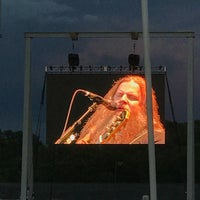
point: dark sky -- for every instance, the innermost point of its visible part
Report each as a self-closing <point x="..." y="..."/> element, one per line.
<point x="22" y="16"/>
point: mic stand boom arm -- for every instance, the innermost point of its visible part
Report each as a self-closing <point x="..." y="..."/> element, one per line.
<point x="70" y="130"/>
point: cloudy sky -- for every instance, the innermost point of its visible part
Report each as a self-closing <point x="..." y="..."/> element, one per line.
<point x="22" y="16"/>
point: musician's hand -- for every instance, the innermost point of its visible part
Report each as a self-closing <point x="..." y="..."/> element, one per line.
<point x="84" y="140"/>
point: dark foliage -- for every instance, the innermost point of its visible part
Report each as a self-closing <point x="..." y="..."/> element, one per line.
<point x="100" y="163"/>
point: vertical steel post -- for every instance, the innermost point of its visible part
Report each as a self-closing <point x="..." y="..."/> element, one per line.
<point x="190" y="124"/>
<point x="26" y="173"/>
<point x="0" y="17"/>
<point x="147" y="64"/>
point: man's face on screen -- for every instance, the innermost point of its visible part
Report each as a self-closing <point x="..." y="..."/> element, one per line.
<point x="128" y="95"/>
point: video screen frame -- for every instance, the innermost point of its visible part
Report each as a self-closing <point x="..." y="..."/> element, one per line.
<point x="62" y="85"/>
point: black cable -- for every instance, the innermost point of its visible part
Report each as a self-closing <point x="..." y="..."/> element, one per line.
<point x="39" y="121"/>
<point x="41" y="106"/>
<point x="176" y="127"/>
<point x="170" y="98"/>
<point x="36" y="142"/>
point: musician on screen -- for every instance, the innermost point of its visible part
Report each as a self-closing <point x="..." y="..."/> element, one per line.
<point x="127" y="124"/>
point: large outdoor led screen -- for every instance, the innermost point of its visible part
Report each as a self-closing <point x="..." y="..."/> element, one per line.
<point x="111" y="117"/>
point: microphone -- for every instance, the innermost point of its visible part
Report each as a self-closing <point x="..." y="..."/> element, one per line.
<point x="100" y="100"/>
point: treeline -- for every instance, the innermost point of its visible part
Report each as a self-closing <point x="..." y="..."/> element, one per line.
<point x="100" y="163"/>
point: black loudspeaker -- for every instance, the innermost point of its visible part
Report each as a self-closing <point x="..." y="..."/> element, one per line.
<point x="133" y="59"/>
<point x="73" y="59"/>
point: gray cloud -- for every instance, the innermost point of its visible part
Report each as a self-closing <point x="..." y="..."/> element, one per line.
<point x="43" y="11"/>
<point x="20" y="16"/>
<point x="91" y="18"/>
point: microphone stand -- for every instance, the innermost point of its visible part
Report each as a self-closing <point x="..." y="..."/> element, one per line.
<point x="70" y="130"/>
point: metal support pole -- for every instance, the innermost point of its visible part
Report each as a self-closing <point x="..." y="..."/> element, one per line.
<point x="190" y="125"/>
<point x="145" y="197"/>
<point x="0" y="16"/>
<point x="147" y="64"/>
<point x="26" y="173"/>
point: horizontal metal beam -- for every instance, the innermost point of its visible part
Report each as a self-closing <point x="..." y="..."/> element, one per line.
<point x="102" y="70"/>
<point x="132" y="35"/>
